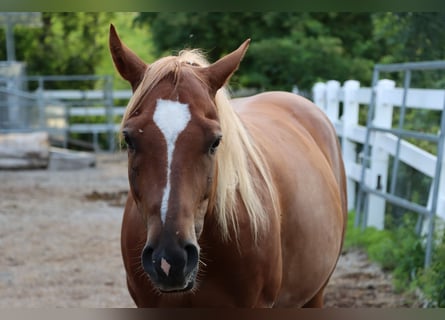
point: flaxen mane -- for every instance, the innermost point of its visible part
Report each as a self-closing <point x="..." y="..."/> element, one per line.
<point x="237" y="155"/>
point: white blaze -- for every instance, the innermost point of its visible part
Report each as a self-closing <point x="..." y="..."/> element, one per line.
<point x="171" y="117"/>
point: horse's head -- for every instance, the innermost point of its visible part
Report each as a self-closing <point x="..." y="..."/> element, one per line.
<point x="172" y="132"/>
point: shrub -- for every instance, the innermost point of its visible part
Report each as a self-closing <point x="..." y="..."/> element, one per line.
<point x="432" y="281"/>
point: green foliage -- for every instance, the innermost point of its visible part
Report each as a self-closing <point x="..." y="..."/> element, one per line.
<point x="135" y="37"/>
<point x="287" y="48"/>
<point x="68" y="43"/>
<point x="398" y="250"/>
<point x="291" y="48"/>
<point x="412" y="36"/>
<point x="76" y="43"/>
<point x="433" y="280"/>
<point x="219" y="33"/>
<point x="280" y="63"/>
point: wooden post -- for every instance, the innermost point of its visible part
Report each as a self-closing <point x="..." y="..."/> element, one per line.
<point x="379" y="157"/>
<point x="350" y="120"/>
<point x="332" y="100"/>
<point x="319" y="95"/>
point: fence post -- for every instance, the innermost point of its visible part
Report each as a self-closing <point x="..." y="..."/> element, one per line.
<point x="440" y="208"/>
<point x="319" y="95"/>
<point x="441" y="191"/>
<point x="379" y="157"/>
<point x="332" y="100"/>
<point x="350" y="119"/>
<point x="441" y="196"/>
<point x="41" y="105"/>
<point x="109" y="104"/>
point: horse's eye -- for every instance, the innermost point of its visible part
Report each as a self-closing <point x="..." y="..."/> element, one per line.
<point x="215" y="145"/>
<point x="128" y="141"/>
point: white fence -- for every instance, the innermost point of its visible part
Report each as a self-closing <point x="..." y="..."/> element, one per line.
<point x="91" y="110"/>
<point x="330" y="95"/>
<point x="87" y="105"/>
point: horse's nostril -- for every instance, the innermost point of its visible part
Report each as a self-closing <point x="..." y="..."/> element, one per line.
<point x="147" y="259"/>
<point x="192" y="257"/>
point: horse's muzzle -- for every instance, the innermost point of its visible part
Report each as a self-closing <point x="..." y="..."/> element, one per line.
<point x="171" y="268"/>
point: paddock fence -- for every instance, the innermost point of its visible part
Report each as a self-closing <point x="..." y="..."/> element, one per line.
<point x="81" y="118"/>
<point x="378" y="150"/>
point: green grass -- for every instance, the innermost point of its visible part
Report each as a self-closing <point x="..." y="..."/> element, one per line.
<point x="401" y="251"/>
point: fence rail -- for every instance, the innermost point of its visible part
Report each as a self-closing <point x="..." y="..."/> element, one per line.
<point x="90" y="104"/>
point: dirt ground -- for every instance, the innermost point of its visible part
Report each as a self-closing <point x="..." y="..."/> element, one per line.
<point x="59" y="244"/>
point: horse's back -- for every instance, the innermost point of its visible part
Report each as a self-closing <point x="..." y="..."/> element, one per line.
<point x="285" y="113"/>
<point x="304" y="157"/>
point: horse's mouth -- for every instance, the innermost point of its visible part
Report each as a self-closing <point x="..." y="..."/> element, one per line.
<point x="188" y="287"/>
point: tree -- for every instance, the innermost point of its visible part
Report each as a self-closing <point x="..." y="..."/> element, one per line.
<point x="412" y="37"/>
<point x="68" y="43"/>
<point x="287" y="48"/>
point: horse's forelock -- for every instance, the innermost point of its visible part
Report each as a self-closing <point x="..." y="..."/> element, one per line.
<point x="159" y="70"/>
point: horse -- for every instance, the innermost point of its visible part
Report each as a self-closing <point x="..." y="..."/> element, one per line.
<point x="232" y="202"/>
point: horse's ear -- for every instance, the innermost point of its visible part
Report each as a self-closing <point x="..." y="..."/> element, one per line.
<point x="219" y="72"/>
<point x="129" y="65"/>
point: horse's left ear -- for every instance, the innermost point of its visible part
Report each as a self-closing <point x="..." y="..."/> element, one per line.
<point x="219" y="72"/>
<point x="129" y="65"/>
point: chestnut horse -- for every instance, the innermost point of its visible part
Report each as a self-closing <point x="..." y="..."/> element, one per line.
<point x="232" y="202"/>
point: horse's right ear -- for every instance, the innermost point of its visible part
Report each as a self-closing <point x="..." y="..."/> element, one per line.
<point x="129" y="65"/>
<point x="220" y="71"/>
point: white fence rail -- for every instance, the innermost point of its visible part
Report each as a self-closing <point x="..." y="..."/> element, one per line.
<point x="89" y="95"/>
<point x="330" y="95"/>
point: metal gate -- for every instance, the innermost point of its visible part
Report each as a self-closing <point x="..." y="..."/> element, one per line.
<point x="83" y="118"/>
<point x="388" y="192"/>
